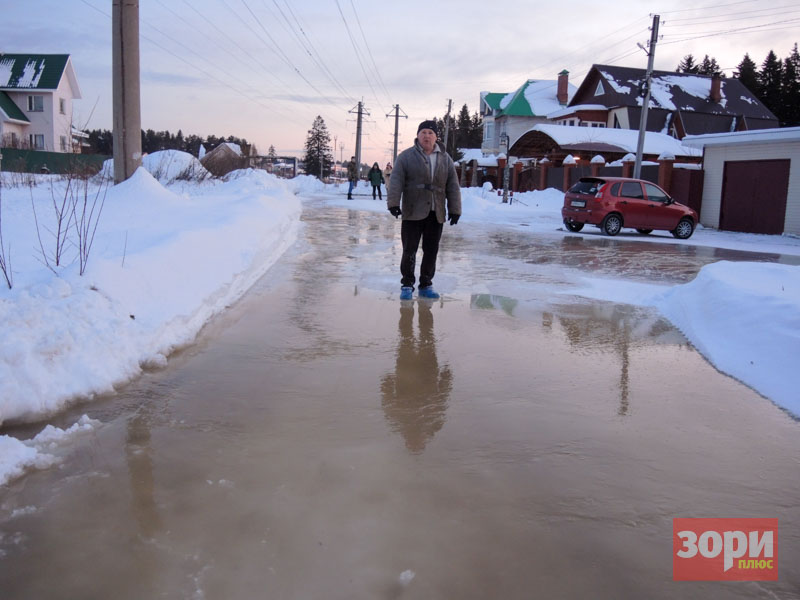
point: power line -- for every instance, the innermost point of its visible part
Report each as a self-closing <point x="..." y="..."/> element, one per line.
<point x="780" y="24"/>
<point x="355" y="48"/>
<point x="372" y="59"/>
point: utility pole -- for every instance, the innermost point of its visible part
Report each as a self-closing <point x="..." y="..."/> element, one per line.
<point x="447" y="123"/>
<point x="637" y="167"/>
<point x="361" y="112"/>
<point x="126" y="101"/>
<point x="397" y="116"/>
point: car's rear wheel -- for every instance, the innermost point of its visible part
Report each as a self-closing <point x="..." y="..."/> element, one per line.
<point x="644" y="231"/>
<point x="611" y="224"/>
<point x="684" y="229"/>
<point x="573" y="226"/>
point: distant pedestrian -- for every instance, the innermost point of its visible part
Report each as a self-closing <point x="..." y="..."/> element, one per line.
<point x="352" y="176"/>
<point x="425" y="192"/>
<point x="375" y="177"/>
<point x="387" y="175"/>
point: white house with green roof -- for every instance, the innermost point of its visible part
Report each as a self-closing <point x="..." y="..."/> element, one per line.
<point x="36" y="96"/>
<point x="512" y="114"/>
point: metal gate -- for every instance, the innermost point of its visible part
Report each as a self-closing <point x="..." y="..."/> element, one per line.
<point x="754" y="196"/>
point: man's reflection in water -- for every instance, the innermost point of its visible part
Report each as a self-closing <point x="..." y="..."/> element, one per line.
<point x="415" y="396"/>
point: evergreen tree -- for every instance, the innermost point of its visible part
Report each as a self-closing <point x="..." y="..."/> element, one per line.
<point x="687" y="65"/>
<point x="746" y="73"/>
<point x="769" y="83"/>
<point x="463" y="127"/>
<point x="709" y="66"/>
<point x="271" y="154"/>
<point x="318" y="150"/>
<point x="101" y="141"/>
<point x="790" y="94"/>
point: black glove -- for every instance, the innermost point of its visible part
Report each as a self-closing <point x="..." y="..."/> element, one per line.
<point x="395" y="210"/>
<point x="454" y="219"/>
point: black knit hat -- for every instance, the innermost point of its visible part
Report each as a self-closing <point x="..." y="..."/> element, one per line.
<point x="428" y="125"/>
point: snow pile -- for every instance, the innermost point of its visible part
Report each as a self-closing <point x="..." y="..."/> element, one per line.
<point x="16" y="456"/>
<point x="162" y="264"/>
<point x="745" y="319"/>
<point x="167" y="166"/>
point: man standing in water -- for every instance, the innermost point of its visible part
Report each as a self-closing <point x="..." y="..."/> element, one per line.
<point x="425" y="192"/>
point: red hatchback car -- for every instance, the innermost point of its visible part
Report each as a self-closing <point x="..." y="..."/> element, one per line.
<point x="612" y="203"/>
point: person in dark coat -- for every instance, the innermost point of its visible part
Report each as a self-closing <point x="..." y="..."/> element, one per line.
<point x="375" y="177"/>
<point x="425" y="191"/>
<point x="352" y="177"/>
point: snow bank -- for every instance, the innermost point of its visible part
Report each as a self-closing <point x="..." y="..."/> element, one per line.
<point x="745" y="319"/>
<point x="162" y="265"/>
<point x="166" y="166"/>
<point x="16" y="456"/>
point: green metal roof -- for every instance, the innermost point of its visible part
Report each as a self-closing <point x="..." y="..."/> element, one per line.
<point x="493" y="99"/>
<point x="32" y="71"/>
<point x="12" y="110"/>
<point x="519" y="106"/>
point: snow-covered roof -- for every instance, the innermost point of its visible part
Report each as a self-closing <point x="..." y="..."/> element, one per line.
<point x="569" y="110"/>
<point x="534" y="98"/>
<point x="621" y="140"/>
<point x="235" y="147"/>
<point x="757" y="136"/>
<point x="484" y="160"/>
<point x="36" y="72"/>
<point x="614" y="86"/>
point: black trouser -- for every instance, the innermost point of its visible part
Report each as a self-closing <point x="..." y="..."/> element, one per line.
<point x="376" y="187"/>
<point x="430" y="230"/>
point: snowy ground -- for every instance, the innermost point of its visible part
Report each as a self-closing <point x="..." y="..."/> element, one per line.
<point x="166" y="259"/>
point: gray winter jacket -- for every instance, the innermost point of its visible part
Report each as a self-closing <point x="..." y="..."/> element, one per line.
<point x="411" y="180"/>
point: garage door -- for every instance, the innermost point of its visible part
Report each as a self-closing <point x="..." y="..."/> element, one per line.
<point x="754" y="196"/>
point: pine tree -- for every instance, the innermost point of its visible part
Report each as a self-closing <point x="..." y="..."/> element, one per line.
<point x="709" y="66"/>
<point x="463" y="125"/>
<point x="769" y="83"/>
<point x="318" y="149"/>
<point x="746" y="73"/>
<point x="790" y="94"/>
<point x="687" y="65"/>
<point x="271" y="154"/>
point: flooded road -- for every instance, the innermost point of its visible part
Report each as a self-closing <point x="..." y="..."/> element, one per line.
<point x="323" y="440"/>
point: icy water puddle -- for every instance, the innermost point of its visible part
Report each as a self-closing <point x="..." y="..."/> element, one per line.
<point x="323" y="440"/>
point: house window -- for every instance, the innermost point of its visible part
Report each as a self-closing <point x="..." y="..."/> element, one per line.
<point x="488" y="132"/>
<point x="600" y="89"/>
<point x="62" y="106"/>
<point x="616" y="123"/>
<point x="37" y="141"/>
<point x="35" y="103"/>
<point x="583" y="124"/>
<point x="64" y="147"/>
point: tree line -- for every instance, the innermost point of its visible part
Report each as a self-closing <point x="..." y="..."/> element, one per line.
<point x="776" y="83"/>
<point x="101" y="141"/>
<point x="465" y="131"/>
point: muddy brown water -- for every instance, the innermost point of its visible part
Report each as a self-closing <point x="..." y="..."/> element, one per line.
<point x="323" y="440"/>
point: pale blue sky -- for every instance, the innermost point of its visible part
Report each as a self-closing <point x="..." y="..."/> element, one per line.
<point x="261" y="70"/>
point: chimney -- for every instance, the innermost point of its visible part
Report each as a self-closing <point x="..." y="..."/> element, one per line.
<point x="716" y="94"/>
<point x="562" y="94"/>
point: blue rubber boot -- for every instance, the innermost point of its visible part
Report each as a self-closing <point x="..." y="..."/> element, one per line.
<point x="428" y="292"/>
<point x="405" y="293"/>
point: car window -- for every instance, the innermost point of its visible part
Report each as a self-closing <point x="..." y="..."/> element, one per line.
<point x="655" y="194"/>
<point x="632" y="189"/>
<point x="586" y="187"/>
<point x="615" y="189"/>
